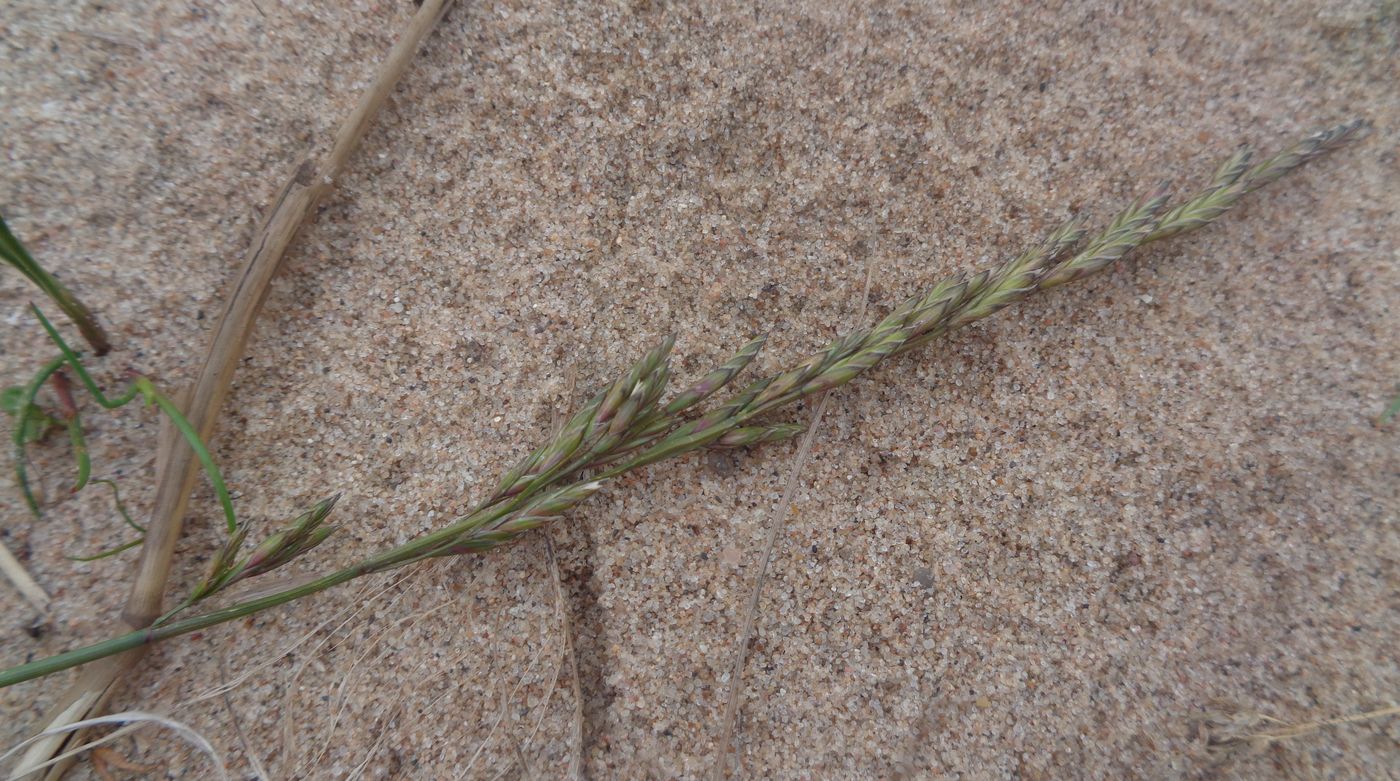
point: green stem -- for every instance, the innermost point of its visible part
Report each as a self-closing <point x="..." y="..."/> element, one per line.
<point x="31" y="391"/>
<point x="408" y="553"/>
<point x="72" y="359"/>
<point x="842" y="361"/>
<point x="80" y="451"/>
<point x="14" y="253"/>
<point x="211" y="470"/>
<point x="126" y="546"/>
<point x="156" y="634"/>
<point x="121" y="508"/>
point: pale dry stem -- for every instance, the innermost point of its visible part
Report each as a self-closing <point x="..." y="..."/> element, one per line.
<point x="23" y="581"/>
<point x="1233" y="731"/>
<point x="566" y="624"/>
<point x="736" y="672"/>
<point x="253" y="761"/>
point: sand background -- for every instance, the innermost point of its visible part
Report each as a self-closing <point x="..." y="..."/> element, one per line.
<point x="1040" y="549"/>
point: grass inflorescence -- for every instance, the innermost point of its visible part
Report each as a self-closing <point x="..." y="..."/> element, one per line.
<point x="626" y="425"/>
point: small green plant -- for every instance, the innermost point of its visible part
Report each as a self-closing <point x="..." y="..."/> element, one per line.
<point x="144" y="389"/>
<point x="626" y="425"/>
<point x="31" y="424"/>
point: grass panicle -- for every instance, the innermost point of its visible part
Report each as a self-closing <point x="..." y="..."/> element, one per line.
<point x="625" y="426"/>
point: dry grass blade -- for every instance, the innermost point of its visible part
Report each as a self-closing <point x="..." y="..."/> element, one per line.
<point x="254" y="762"/>
<point x="566" y="630"/>
<point x="23" y="581"/>
<point x="506" y="699"/>
<point x="131" y="721"/>
<point x="566" y="624"/>
<point x="286" y="724"/>
<point x="726" y="748"/>
<point x="1232" y="731"/>
<point x="402" y="626"/>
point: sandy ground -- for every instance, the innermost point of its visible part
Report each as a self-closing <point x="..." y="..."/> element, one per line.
<point x="1041" y="549"/>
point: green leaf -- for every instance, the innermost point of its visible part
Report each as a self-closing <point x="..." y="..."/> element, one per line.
<point x="37" y="423"/>
<point x="11" y="398"/>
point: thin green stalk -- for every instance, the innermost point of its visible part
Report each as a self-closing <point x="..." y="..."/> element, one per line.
<point x="26" y="403"/>
<point x="1390" y="411"/>
<point x="72" y="359"/>
<point x="126" y="546"/>
<point x="155" y="634"/>
<point x="121" y="508"/>
<point x="626" y="426"/>
<point x="14" y="253"/>
<point x="80" y="451"/>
